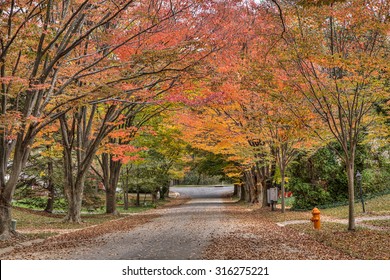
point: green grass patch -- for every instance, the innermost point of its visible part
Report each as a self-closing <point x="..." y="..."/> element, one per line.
<point x="33" y="220"/>
<point x="287" y="200"/>
<point x="30" y="219"/>
<point x="376" y="206"/>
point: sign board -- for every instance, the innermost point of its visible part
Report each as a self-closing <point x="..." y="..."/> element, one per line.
<point x="272" y="195"/>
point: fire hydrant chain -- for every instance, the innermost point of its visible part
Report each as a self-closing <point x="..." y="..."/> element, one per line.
<point x="316" y="218"/>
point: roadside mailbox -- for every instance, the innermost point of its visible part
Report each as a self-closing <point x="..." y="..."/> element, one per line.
<point x="272" y="197"/>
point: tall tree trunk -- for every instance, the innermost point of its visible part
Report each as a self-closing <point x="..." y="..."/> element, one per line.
<point x="351" y="193"/>
<point x="74" y="183"/>
<point x="73" y="187"/>
<point x="235" y="191"/>
<point x="137" y="202"/>
<point x="165" y="190"/>
<point x="125" y="183"/>
<point x="111" y="201"/>
<point x="247" y="193"/>
<point x="242" y="192"/>
<point x="50" y="187"/>
<point x="282" y="174"/>
<point x="257" y="185"/>
<point x="111" y="174"/>
<point x="5" y="218"/>
<point x="74" y="196"/>
<point x="7" y="189"/>
<point x="262" y="196"/>
<point x="76" y="139"/>
<point x="125" y="199"/>
<point x="251" y="187"/>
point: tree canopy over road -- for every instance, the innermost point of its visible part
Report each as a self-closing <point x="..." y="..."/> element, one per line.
<point x="110" y="101"/>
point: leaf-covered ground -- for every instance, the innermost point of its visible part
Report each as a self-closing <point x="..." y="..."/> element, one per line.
<point x="259" y="237"/>
<point x="82" y="237"/>
<point x="364" y="244"/>
<point x="41" y="232"/>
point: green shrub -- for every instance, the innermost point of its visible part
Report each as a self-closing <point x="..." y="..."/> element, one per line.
<point x="93" y="201"/>
<point x="375" y="181"/>
<point x="324" y="169"/>
<point x="337" y="186"/>
<point x="307" y="196"/>
<point x="40" y="202"/>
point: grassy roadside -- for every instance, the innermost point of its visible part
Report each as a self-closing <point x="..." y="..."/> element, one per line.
<point x="37" y="224"/>
<point x="364" y="243"/>
<point x="374" y="207"/>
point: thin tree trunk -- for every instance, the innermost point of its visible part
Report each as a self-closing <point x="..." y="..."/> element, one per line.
<point x="257" y="185"/>
<point x="137" y="202"/>
<point x="165" y="190"/>
<point x="154" y="196"/>
<point x="351" y="194"/>
<point x="50" y="187"/>
<point x="247" y="193"/>
<point x="242" y="192"/>
<point x="282" y="174"/>
<point x="235" y="192"/>
<point x="126" y="190"/>
<point x="73" y="187"/>
<point x="125" y="198"/>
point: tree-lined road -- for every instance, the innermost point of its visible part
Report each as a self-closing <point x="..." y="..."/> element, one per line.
<point x="181" y="232"/>
<point x="208" y="226"/>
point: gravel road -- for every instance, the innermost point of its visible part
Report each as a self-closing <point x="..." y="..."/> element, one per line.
<point x="180" y="233"/>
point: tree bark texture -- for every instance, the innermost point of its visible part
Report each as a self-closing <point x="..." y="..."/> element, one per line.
<point x="242" y="192"/>
<point x="111" y="173"/>
<point x="7" y="189"/>
<point x="351" y="196"/>
<point x="50" y="187"/>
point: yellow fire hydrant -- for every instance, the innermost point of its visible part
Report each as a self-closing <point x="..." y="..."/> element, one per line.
<point x="316" y="218"/>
